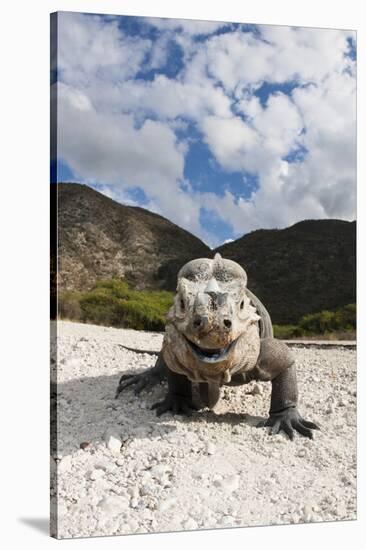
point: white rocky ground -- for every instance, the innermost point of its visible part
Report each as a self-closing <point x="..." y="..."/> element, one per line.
<point x="137" y="473"/>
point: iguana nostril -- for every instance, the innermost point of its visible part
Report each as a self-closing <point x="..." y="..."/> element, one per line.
<point x="200" y="321"/>
<point x="197" y="322"/>
<point x="227" y="323"/>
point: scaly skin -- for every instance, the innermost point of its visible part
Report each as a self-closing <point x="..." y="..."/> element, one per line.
<point x="218" y="333"/>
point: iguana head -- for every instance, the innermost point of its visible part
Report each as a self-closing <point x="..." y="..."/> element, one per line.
<point x="211" y="312"/>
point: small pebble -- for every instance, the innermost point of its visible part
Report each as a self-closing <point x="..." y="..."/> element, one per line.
<point x="166" y="504"/>
<point x="61" y="509"/>
<point x="190" y="524"/>
<point x="114" y="504"/>
<point x="146" y="490"/>
<point x="346" y="479"/>
<point x="73" y="363"/>
<point x="210" y="448"/>
<point x="341" y="510"/>
<point x="113" y="441"/>
<point x="133" y="491"/>
<point x="229" y="484"/>
<point x="65" y="464"/>
<point x="227" y="520"/>
<point x="159" y="471"/>
<point x="257" y="389"/>
<point x="101" y="466"/>
<point x="96" y="474"/>
<point x="307" y="512"/>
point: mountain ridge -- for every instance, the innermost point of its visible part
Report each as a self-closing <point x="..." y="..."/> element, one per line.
<point x="100" y="238"/>
<point x="304" y="268"/>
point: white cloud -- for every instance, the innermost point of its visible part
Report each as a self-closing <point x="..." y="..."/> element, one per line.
<point x="91" y="48"/>
<point x="116" y="194"/>
<point x="253" y="146"/>
<point x="120" y="131"/>
<point x="189" y="26"/>
<point x="108" y="148"/>
<point x="241" y="60"/>
<point x="323" y="184"/>
<point x="238" y="59"/>
<point x="279" y="124"/>
<point x="231" y="141"/>
<point x="330" y="168"/>
<point x="249" y="105"/>
<point x="163" y="98"/>
<point x="304" y="53"/>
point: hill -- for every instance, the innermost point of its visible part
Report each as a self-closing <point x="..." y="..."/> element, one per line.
<point x="99" y="238"/>
<point x="305" y="268"/>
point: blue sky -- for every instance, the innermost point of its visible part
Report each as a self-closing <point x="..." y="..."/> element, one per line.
<point x="223" y="128"/>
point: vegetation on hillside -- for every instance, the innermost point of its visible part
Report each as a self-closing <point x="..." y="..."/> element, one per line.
<point x="114" y="303"/>
<point x="306" y="268"/>
<point x="338" y="324"/>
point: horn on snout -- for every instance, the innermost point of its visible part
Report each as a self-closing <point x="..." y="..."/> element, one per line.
<point x="202" y="299"/>
<point x="227" y="270"/>
<point x="212" y="287"/>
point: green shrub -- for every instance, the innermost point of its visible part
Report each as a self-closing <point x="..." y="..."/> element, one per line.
<point x="332" y="324"/>
<point x="113" y="303"/>
<point x="286" y="331"/>
<point x="69" y="305"/>
<point x="341" y="320"/>
<point x="345" y="317"/>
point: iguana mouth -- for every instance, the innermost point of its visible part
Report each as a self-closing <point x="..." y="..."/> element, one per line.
<point x="211" y="355"/>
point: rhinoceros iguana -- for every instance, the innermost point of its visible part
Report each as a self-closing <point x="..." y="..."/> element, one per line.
<point x="218" y="333"/>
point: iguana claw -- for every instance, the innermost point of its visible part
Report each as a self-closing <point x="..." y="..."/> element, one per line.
<point x="143" y="380"/>
<point x="289" y="420"/>
<point x="178" y="404"/>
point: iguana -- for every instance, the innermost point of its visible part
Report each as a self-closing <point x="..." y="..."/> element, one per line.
<point x="219" y="333"/>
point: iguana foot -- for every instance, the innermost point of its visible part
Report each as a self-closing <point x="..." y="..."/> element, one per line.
<point x="178" y="404"/>
<point x="289" y="420"/>
<point x="144" y="380"/>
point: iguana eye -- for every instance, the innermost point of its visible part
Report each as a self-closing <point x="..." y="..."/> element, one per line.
<point x="242" y="304"/>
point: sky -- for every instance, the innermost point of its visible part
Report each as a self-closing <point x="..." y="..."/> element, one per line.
<point x="223" y="128"/>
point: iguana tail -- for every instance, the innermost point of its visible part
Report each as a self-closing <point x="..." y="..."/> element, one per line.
<point x="148" y="351"/>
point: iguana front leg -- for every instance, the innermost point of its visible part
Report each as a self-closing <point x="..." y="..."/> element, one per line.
<point x="144" y="380"/>
<point x="179" y="397"/>
<point x="277" y="364"/>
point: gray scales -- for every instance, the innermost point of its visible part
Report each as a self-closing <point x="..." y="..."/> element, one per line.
<point x="219" y="333"/>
